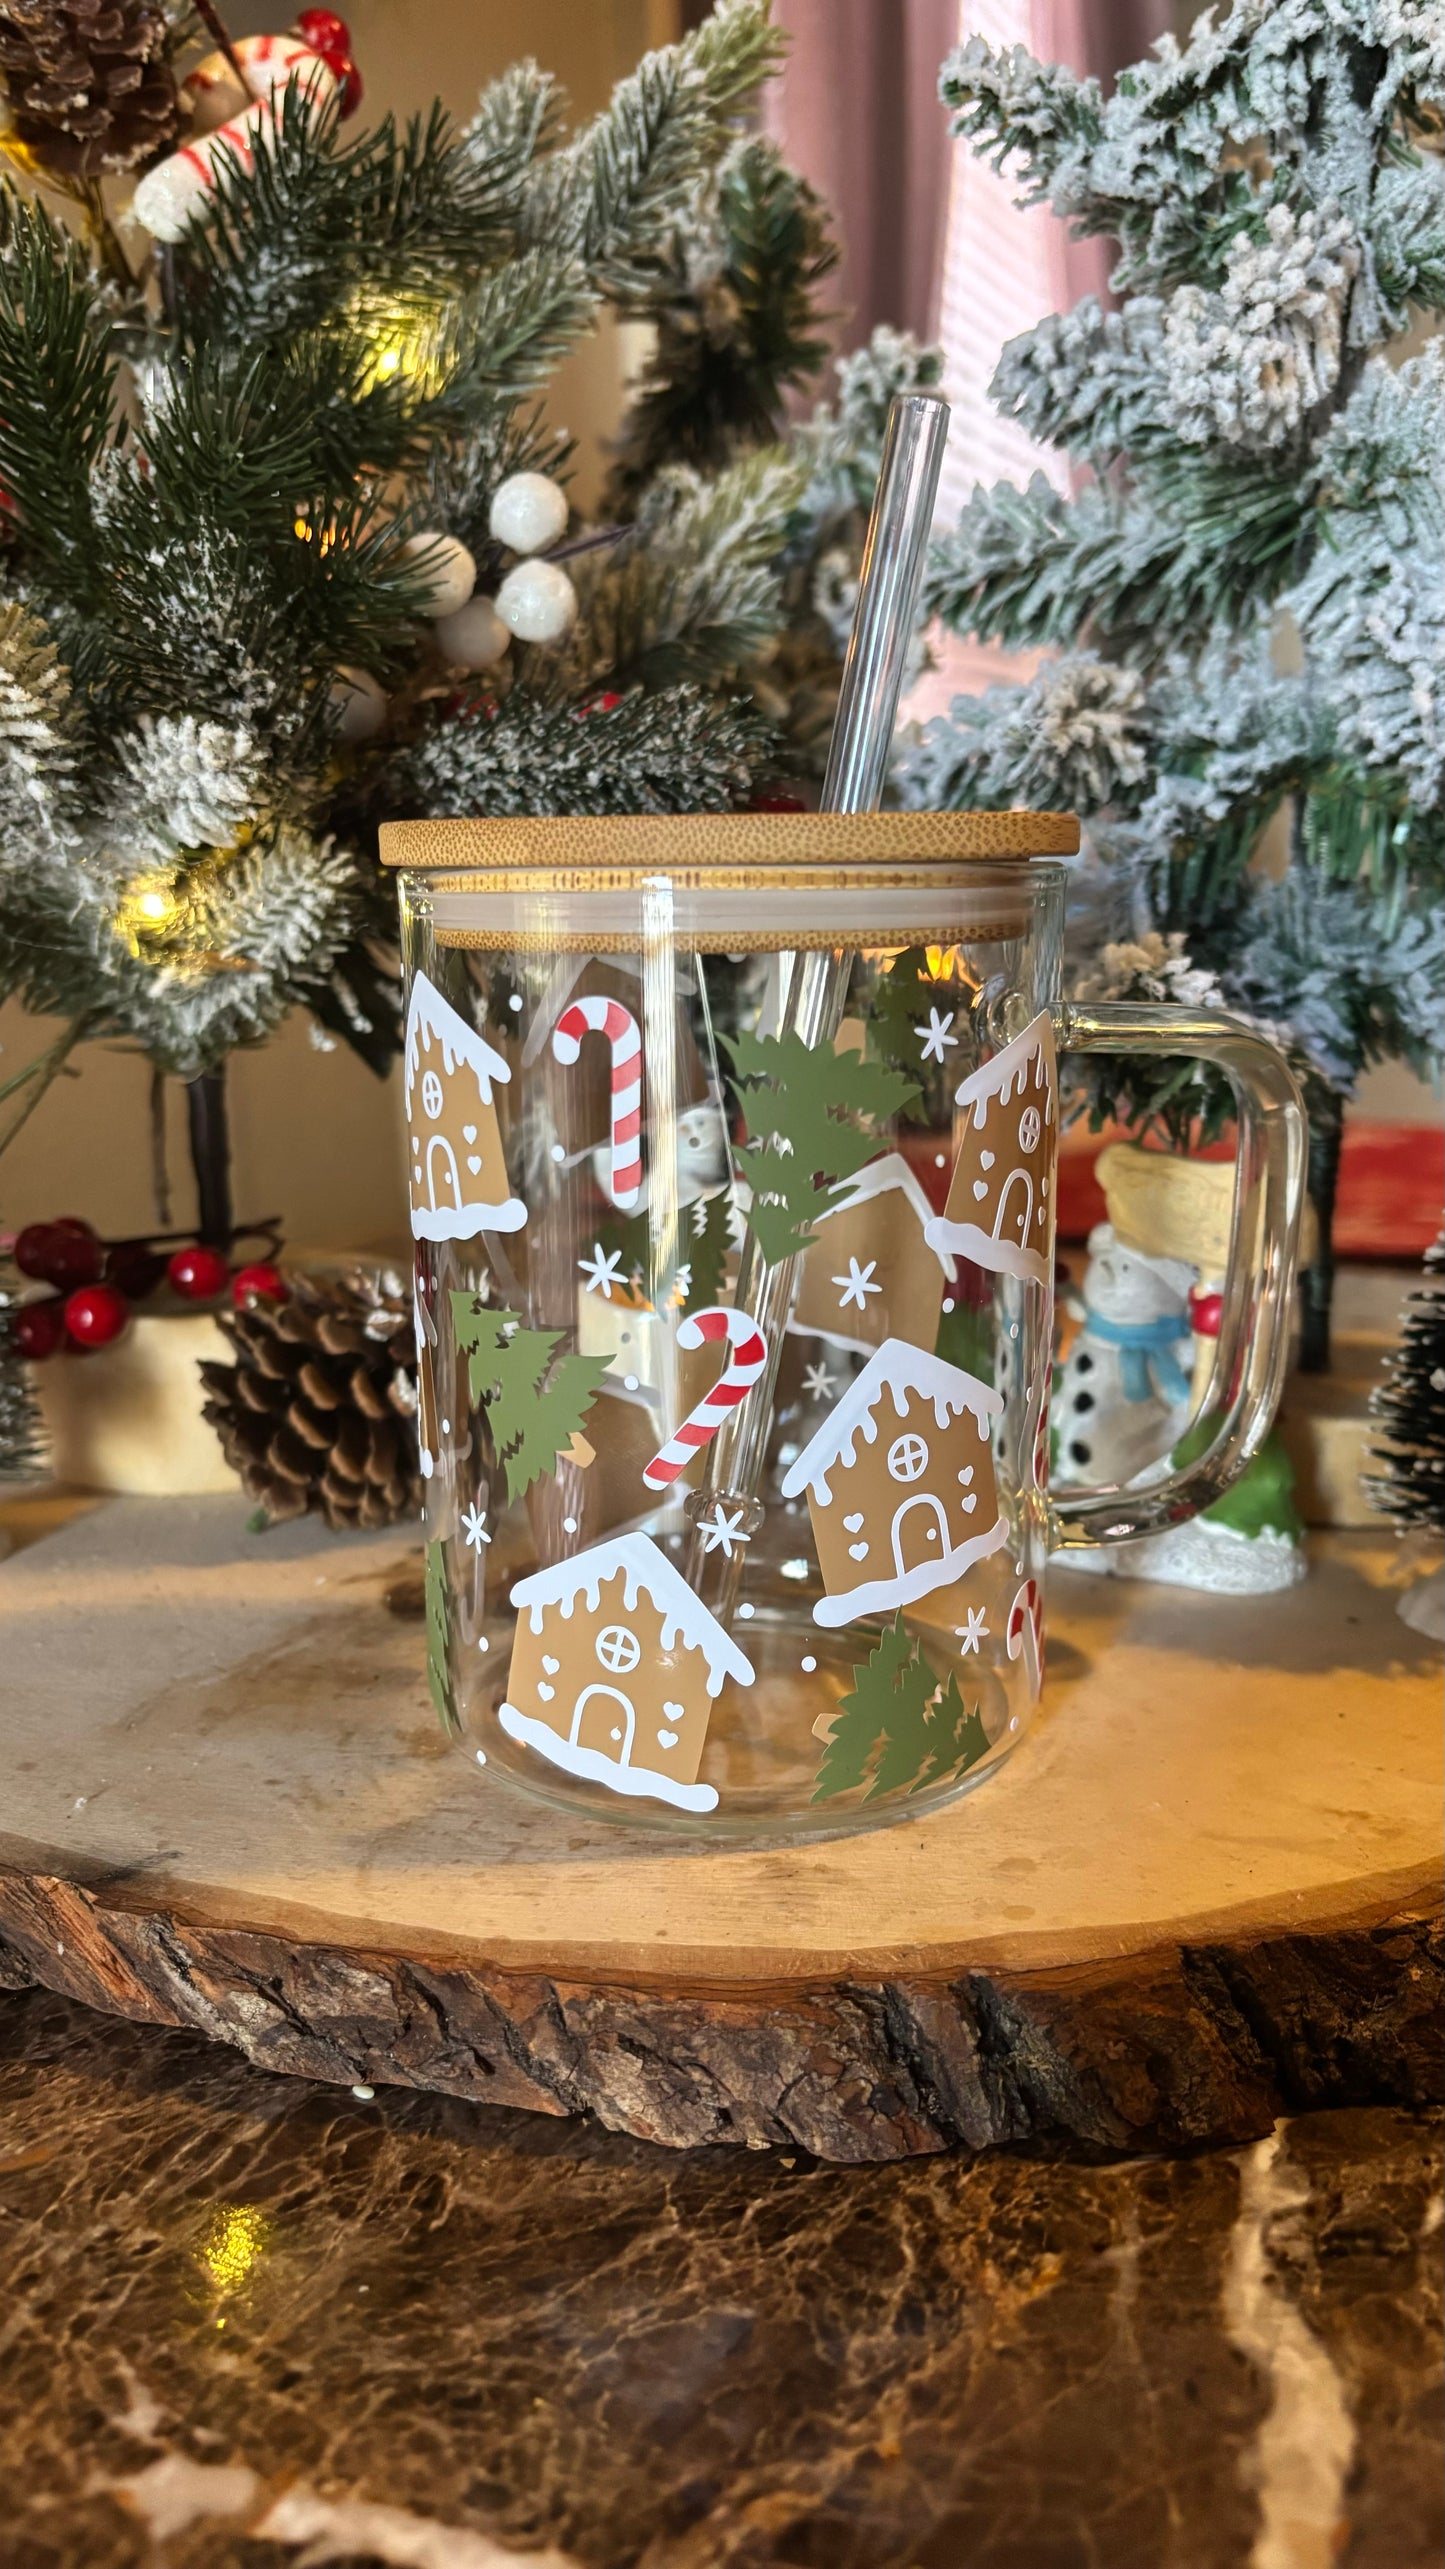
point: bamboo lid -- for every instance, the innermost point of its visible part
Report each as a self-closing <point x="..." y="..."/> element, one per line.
<point x="741" y="849"/>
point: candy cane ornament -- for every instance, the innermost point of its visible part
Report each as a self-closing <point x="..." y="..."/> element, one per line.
<point x="749" y="1356"/>
<point x="608" y="1017"/>
<point x="169" y="194"/>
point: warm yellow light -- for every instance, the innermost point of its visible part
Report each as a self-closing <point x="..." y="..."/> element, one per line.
<point x="386" y="362"/>
<point x="151" y="907"/>
<point x="238" y="2236"/>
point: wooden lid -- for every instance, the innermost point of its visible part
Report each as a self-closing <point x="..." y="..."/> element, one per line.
<point x="724" y="846"/>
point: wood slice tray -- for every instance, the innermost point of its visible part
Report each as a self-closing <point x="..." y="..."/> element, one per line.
<point x="1204" y="1893"/>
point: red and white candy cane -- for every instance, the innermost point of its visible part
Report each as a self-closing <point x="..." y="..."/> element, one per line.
<point x="1025" y="1636"/>
<point x="749" y="1355"/>
<point x="608" y="1017"/>
<point x="168" y="195"/>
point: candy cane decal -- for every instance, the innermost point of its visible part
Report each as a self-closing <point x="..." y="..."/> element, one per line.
<point x="749" y="1355"/>
<point x="608" y="1017"/>
<point x="1026" y="1634"/>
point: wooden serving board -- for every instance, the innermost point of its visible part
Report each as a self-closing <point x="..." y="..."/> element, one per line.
<point x="1204" y="1892"/>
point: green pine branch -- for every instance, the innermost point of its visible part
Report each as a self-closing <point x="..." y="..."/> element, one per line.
<point x="737" y="324"/>
<point x="611" y="196"/>
<point x="696" y="589"/>
<point x="676" y="751"/>
<point x="56" y="392"/>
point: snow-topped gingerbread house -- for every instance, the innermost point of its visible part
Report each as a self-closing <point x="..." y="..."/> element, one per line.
<point x="900" y="1483"/>
<point x="870" y="1272"/>
<point x="615" y="1668"/>
<point x="1000" y="1209"/>
<point x="458" y="1169"/>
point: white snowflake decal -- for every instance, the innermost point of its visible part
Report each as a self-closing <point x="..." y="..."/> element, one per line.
<point x="720" y="1532"/>
<point x="474" y="1527"/>
<point x="935" y="1037"/>
<point x="817" y="1381"/>
<point x="974" y="1632"/>
<point x="857" y="1285"/>
<point x="602" y="1268"/>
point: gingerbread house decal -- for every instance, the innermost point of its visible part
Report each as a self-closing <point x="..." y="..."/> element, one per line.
<point x="1000" y="1209"/>
<point x="458" y="1170"/>
<point x="615" y="1668"/>
<point x="871" y="1272"/>
<point x="900" y="1483"/>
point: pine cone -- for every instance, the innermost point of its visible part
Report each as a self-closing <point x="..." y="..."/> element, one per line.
<point x="88" y="83"/>
<point x="319" y="1409"/>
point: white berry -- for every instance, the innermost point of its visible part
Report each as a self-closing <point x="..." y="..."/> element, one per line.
<point x="362" y="702"/>
<point x="537" y="602"/>
<point x="474" y="638"/>
<point x="451" y="574"/>
<point x="529" y="512"/>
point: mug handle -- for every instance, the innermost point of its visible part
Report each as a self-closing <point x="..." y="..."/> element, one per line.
<point x="1253" y="1345"/>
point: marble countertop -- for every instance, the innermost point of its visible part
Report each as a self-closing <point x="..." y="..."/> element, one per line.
<point x="247" y="2321"/>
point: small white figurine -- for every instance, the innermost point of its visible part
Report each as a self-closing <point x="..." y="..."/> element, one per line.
<point x="1123" y="1395"/>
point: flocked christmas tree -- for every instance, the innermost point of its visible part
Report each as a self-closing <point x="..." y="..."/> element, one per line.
<point x="1244" y="598"/>
<point x="285" y="549"/>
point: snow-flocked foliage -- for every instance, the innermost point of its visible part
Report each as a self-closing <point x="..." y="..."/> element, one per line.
<point x="1247" y="590"/>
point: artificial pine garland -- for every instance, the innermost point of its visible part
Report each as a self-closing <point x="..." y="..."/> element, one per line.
<point x="1258" y="481"/>
<point x="236" y="478"/>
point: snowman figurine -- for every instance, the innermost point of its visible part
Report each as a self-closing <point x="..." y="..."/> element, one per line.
<point x="1122" y="1398"/>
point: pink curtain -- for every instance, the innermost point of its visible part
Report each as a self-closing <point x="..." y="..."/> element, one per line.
<point x="857" y="110"/>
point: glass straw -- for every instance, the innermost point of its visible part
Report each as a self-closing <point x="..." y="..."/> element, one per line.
<point x="816" y="984"/>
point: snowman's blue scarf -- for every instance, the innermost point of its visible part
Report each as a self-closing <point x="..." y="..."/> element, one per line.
<point x="1147" y="1362"/>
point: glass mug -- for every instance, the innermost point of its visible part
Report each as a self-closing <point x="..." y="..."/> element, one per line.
<point x="733" y="1152"/>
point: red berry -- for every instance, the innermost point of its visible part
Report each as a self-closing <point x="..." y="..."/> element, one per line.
<point x="350" y="84"/>
<point x="776" y="803"/>
<point x="134" y="1269"/>
<point x="1206" y="1311"/>
<point x="37" y="1329"/>
<point x="96" y="1314"/>
<point x="259" y="1283"/>
<point x="325" y="33"/>
<point x="32" y="1248"/>
<point x="64" y="1254"/>
<point x="199" y="1273"/>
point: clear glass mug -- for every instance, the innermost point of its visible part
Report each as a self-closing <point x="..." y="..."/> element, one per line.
<point x="733" y="1158"/>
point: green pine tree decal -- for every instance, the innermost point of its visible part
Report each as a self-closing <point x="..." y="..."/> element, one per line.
<point x="438" y="1634"/>
<point x="921" y="1729"/>
<point x="811" y="1118"/>
<point x="534" y="1404"/>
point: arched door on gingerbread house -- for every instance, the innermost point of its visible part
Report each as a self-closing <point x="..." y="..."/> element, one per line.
<point x="1014" y="1218"/>
<point x="603" y="1720"/>
<point x="449" y="1195"/>
<point x="925" y="1538"/>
